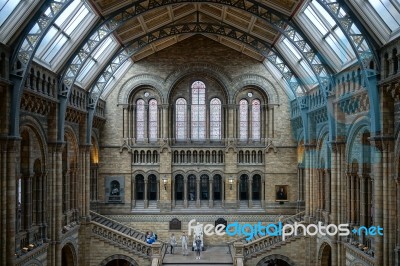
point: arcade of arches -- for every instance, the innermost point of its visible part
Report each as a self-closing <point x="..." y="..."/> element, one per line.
<point x="122" y="117"/>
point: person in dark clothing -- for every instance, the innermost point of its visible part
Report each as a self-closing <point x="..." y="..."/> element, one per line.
<point x="198" y="247"/>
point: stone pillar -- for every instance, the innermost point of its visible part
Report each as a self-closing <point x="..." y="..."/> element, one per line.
<point x="352" y="198"/>
<point x="198" y="191"/>
<point x="10" y="149"/>
<point x="262" y="192"/>
<point x="185" y="192"/>
<point x="158" y="190"/>
<point x="238" y="255"/>
<point x="348" y="197"/>
<point x="328" y="191"/>
<point x="397" y="249"/>
<point x="146" y="201"/>
<point x="133" y="196"/>
<point x="223" y="192"/>
<point x="210" y="192"/>
<point x="250" y="185"/>
<point x="165" y="121"/>
<point x="377" y="172"/>
<point x="56" y="201"/>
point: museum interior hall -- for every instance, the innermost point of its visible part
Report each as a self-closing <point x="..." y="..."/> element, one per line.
<point x="267" y="129"/>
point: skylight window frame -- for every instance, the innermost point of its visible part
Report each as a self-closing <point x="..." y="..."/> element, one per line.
<point x="374" y="21"/>
<point x="303" y="69"/>
<point x="100" y="61"/>
<point x="16" y="19"/>
<point x="122" y="70"/>
<point x="311" y="30"/>
<point x="73" y="39"/>
<point x="272" y="68"/>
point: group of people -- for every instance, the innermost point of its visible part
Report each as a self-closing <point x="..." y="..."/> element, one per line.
<point x="184" y="240"/>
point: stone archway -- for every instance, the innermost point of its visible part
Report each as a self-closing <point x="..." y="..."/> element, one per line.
<point x="118" y="260"/>
<point x="67" y="255"/>
<point x="276" y="260"/>
<point x="325" y="255"/>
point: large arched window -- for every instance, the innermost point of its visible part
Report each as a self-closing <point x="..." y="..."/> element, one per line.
<point x="153" y="128"/>
<point x="243" y="119"/>
<point x="180" y="119"/>
<point x="140" y="120"/>
<point x="146" y="122"/>
<point x="256" y="119"/>
<point x="215" y="119"/>
<point x="198" y="110"/>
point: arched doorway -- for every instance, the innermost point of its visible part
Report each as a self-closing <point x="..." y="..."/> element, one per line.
<point x="152" y="189"/>
<point x="326" y="255"/>
<point x="179" y="190"/>
<point x="204" y="188"/>
<point x="139" y="187"/>
<point x="67" y="256"/>
<point x="244" y="187"/>
<point x="119" y="262"/>
<point x="276" y="260"/>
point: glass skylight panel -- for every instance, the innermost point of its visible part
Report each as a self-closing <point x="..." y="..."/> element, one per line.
<point x="67" y="13"/>
<point x="279" y="78"/>
<point x="118" y="74"/>
<point x="388" y="12"/>
<point x="329" y="31"/>
<point x="97" y="58"/>
<point x="65" y="31"/>
<point x="6" y="9"/>
<point x="296" y="59"/>
<point x="85" y="70"/>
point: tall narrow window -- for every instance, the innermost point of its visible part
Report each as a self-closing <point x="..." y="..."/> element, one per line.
<point x="180" y="119"/>
<point x="243" y="119"/>
<point x="153" y="120"/>
<point x="198" y="110"/>
<point x="256" y="120"/>
<point x="215" y="119"/>
<point x="140" y="120"/>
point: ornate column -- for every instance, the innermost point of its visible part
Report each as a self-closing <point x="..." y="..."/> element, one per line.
<point x="146" y="201"/>
<point x="185" y="192"/>
<point x="262" y="192"/>
<point x="55" y="203"/>
<point x="158" y="191"/>
<point x="210" y="192"/>
<point x="357" y="203"/>
<point x="198" y="191"/>
<point x="328" y="191"/>
<point x="165" y="121"/>
<point x="250" y="186"/>
<point x="377" y="157"/>
<point x="397" y="249"/>
<point x="309" y="166"/>
<point x="133" y="196"/>
<point x="348" y="197"/>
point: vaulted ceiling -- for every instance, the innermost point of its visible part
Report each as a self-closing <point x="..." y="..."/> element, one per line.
<point x="185" y="12"/>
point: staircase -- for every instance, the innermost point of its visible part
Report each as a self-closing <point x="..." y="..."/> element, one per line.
<point x="124" y="237"/>
<point x="215" y="255"/>
<point x="260" y="244"/>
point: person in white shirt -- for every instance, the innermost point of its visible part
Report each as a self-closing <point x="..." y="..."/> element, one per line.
<point x="184" y="239"/>
<point x="172" y="242"/>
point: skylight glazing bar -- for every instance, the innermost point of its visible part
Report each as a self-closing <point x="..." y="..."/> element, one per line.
<point x="357" y="40"/>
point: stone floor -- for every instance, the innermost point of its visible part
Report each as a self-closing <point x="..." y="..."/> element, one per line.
<point x="216" y="255"/>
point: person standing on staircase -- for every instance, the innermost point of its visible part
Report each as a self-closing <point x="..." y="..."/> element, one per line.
<point x="172" y="242"/>
<point x="198" y="247"/>
<point x="184" y="239"/>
